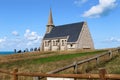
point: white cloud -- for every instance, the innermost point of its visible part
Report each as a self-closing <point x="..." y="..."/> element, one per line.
<point x="3" y="43"/>
<point x="31" y="35"/>
<point x="15" y="33"/>
<point x="103" y="8"/>
<point x="8" y="43"/>
<point x="3" y="39"/>
<point x="80" y="2"/>
<point x="113" y="39"/>
<point x="30" y="39"/>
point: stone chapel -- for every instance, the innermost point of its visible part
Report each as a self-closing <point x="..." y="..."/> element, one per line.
<point x="71" y="36"/>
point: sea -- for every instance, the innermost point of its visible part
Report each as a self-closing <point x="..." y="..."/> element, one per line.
<point x="6" y="52"/>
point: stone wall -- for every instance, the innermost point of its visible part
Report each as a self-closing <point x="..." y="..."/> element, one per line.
<point x="85" y="40"/>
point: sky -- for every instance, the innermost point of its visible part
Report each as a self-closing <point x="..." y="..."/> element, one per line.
<point x="23" y="22"/>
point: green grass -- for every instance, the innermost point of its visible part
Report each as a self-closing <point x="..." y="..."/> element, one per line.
<point x="46" y="64"/>
<point x="49" y="59"/>
<point x="113" y="66"/>
<point x="62" y="57"/>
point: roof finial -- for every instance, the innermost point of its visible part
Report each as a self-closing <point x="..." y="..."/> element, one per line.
<point x="50" y="20"/>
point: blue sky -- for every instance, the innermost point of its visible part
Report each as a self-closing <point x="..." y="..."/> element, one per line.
<point x="23" y="22"/>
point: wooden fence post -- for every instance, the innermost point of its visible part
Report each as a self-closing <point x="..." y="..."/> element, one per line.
<point x="15" y="77"/>
<point x="110" y="54"/>
<point x="75" y="67"/>
<point x="102" y="73"/>
<point x="97" y="60"/>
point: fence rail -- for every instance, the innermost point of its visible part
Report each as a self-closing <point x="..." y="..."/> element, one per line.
<point x="75" y="64"/>
<point x="102" y="75"/>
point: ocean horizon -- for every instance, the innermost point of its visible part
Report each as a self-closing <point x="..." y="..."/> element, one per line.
<point x="6" y="52"/>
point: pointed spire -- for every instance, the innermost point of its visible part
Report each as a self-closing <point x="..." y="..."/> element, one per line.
<point x="50" y="20"/>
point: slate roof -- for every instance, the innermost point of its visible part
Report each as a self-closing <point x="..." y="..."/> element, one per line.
<point x="72" y="30"/>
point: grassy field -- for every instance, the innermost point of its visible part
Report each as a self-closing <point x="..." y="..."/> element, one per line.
<point x="112" y="66"/>
<point x="42" y="63"/>
<point x="46" y="59"/>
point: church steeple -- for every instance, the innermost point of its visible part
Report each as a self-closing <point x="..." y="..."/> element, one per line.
<point x="50" y="24"/>
<point x="50" y="20"/>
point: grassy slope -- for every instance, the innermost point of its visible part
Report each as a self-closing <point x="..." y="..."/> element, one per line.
<point x="43" y="60"/>
<point x="113" y="66"/>
<point x="46" y="63"/>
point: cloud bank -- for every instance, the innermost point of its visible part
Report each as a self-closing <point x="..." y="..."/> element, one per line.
<point x="2" y="40"/>
<point x="113" y="39"/>
<point x="30" y="39"/>
<point x="103" y="8"/>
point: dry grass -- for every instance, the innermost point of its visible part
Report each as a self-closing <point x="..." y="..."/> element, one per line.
<point x="42" y="67"/>
<point x="112" y="66"/>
